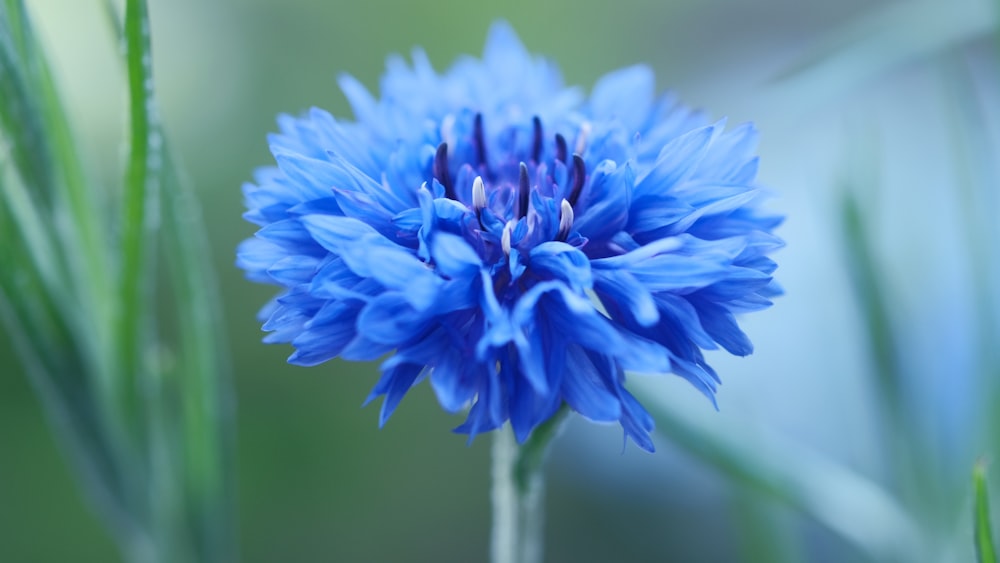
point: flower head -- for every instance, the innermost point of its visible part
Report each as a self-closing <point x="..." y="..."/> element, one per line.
<point x="517" y="243"/>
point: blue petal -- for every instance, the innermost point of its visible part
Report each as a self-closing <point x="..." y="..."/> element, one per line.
<point x="657" y="215"/>
<point x="625" y="94"/>
<point x="575" y="318"/>
<point x="738" y="283"/>
<point x="369" y="254"/>
<point x="337" y="139"/>
<point x="529" y="409"/>
<point x="672" y="271"/>
<point x="676" y="161"/>
<point x="541" y="354"/>
<point x="680" y="321"/>
<point x="394" y="385"/>
<point x="255" y="256"/>
<point x="702" y="378"/>
<point x="335" y="280"/>
<point x="408" y="221"/>
<point x="285" y="323"/>
<point x="290" y="235"/>
<point x="319" y="176"/>
<point x="453" y="257"/>
<point x="731" y="152"/>
<point x="290" y="312"/>
<point x="623" y="290"/>
<point x="558" y="260"/>
<point x="586" y="391"/>
<point x="488" y="412"/>
<point x="294" y="270"/>
<point x="337" y="234"/>
<point x="504" y="51"/>
<point x="389" y="319"/>
<point x="721" y="325"/>
<point x="636" y="421"/>
<point x="454" y="381"/>
<point x="608" y="197"/>
<point x="364" y="105"/>
<point x="348" y="178"/>
<point x="324" y="206"/>
<point x="325" y="335"/>
<point x="364" y="349"/>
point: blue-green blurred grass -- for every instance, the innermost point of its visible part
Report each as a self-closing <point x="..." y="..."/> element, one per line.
<point x="317" y="480"/>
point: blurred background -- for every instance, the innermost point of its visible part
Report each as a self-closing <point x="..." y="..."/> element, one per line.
<point x="849" y="435"/>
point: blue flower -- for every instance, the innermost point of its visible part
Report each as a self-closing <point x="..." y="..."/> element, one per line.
<point x="519" y="244"/>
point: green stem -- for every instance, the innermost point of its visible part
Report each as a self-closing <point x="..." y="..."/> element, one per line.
<point x="518" y="491"/>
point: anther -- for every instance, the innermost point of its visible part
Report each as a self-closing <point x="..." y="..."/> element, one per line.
<point x="581" y="140"/>
<point x="505" y="237"/>
<point x="441" y="171"/>
<point x="477" y="135"/>
<point x="479" y="200"/>
<point x="560" y="148"/>
<point x="579" y="175"/>
<point x="478" y="194"/>
<point x="536" y="144"/>
<point x="523" y="191"/>
<point x="565" y="220"/>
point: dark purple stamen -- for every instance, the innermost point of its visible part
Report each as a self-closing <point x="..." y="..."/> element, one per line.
<point x="477" y="135"/>
<point x="560" y="148"/>
<point x="579" y="175"/>
<point x="523" y="191"/>
<point x="441" y="171"/>
<point x="536" y="145"/>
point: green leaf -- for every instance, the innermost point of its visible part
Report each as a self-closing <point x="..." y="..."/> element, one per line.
<point x="985" y="551"/>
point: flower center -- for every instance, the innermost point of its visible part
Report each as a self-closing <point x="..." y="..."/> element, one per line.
<point x="521" y="198"/>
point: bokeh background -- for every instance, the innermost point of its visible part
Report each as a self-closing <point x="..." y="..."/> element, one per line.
<point x="887" y="108"/>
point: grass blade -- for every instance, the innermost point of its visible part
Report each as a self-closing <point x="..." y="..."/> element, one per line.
<point x="202" y="372"/>
<point x="985" y="550"/>
<point x="139" y="207"/>
<point x="19" y="115"/>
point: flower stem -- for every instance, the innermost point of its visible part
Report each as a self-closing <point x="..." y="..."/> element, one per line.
<point x="518" y="491"/>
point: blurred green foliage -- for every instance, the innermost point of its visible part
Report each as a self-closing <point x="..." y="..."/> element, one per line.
<point x="139" y="411"/>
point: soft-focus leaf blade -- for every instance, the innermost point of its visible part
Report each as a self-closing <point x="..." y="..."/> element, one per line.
<point x="868" y="286"/>
<point x="985" y="549"/>
<point x="139" y="204"/>
<point x="202" y="371"/>
<point x="20" y="118"/>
